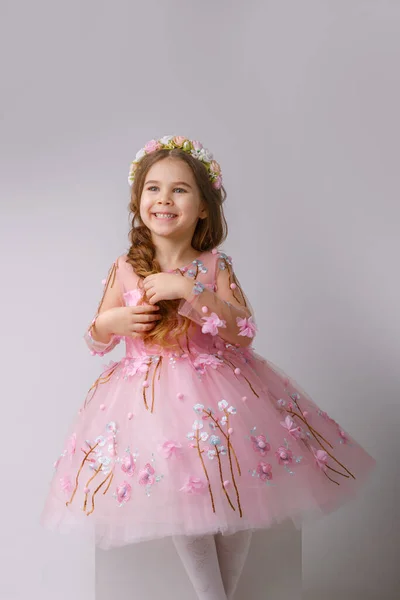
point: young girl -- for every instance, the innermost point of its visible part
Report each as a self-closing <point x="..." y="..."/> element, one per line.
<point x="192" y="434"/>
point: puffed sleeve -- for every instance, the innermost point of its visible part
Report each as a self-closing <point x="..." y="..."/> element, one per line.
<point x="112" y="297"/>
<point x="224" y="311"/>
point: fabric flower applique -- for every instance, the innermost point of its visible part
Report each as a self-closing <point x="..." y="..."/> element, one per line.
<point x="146" y="475"/>
<point x="295" y="431"/>
<point x="247" y="326"/>
<point x="284" y="455"/>
<point x="264" y="471"/>
<point x="170" y="448"/>
<point x="206" y="360"/>
<point x="128" y="464"/>
<point x="65" y="484"/>
<point x="193" y="485"/>
<point x="260" y="444"/>
<point x="123" y="493"/>
<point x="132" y="366"/>
<point x="321" y="458"/>
<point x="212" y="323"/>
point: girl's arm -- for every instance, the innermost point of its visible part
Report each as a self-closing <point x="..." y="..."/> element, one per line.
<point x="224" y="312"/>
<point x="99" y="340"/>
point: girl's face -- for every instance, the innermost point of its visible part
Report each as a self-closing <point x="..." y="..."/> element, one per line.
<point x="170" y="204"/>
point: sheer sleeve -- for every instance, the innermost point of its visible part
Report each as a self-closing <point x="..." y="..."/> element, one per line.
<point x="112" y="297"/>
<point x="224" y="311"/>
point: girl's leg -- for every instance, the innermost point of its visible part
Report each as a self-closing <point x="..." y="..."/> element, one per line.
<point x="232" y="553"/>
<point x="199" y="557"/>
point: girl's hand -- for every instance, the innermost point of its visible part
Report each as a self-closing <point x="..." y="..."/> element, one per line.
<point x="128" y="320"/>
<point x="166" y="286"/>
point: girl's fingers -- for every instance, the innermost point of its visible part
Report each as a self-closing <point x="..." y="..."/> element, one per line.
<point x="143" y="318"/>
<point x="143" y="308"/>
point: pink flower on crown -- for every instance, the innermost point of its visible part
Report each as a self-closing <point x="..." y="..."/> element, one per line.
<point x="215" y="167"/>
<point x="132" y="297"/>
<point x="212" y="323"/>
<point x="193" y="485"/>
<point x="170" y="448"/>
<point x="123" y="493"/>
<point x="284" y="455"/>
<point x="247" y="326"/>
<point x="321" y="458"/>
<point x="292" y="428"/>
<point x="146" y="475"/>
<point x="152" y="146"/>
<point x="197" y="145"/>
<point x="264" y="470"/>
<point x="128" y="465"/>
<point x="179" y="139"/>
<point x="218" y="182"/>
<point x="260" y="444"/>
<point x="343" y="436"/>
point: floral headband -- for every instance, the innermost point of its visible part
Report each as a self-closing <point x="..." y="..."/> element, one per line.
<point x="195" y="148"/>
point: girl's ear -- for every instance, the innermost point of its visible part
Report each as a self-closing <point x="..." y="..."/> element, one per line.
<point x="203" y="213"/>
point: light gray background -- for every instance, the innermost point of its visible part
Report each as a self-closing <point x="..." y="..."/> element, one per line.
<point x="299" y="101"/>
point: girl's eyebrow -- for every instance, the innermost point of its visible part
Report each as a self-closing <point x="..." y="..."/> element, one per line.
<point x="173" y="183"/>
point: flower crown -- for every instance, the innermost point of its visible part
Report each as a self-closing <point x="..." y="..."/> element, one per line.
<point x="195" y="148"/>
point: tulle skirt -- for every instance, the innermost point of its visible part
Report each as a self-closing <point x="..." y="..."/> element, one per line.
<point x="165" y="445"/>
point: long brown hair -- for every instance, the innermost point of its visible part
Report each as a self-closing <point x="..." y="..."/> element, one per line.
<point x="209" y="233"/>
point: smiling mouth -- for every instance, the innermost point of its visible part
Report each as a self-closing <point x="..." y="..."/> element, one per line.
<point x="164" y="216"/>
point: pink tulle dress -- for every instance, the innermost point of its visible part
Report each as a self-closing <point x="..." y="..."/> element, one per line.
<point x="210" y="437"/>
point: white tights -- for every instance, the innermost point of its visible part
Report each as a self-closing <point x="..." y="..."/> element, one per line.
<point x="214" y="563"/>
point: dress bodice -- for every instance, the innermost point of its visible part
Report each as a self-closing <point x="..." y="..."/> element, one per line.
<point x="203" y="270"/>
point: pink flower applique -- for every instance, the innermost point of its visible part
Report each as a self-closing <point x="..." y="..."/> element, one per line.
<point x="71" y="444"/>
<point x="65" y="484"/>
<point x="321" y="458"/>
<point x="140" y="364"/>
<point x="132" y="297"/>
<point x="284" y="455"/>
<point x="292" y="428"/>
<point x="146" y="475"/>
<point x="247" y="326"/>
<point x="212" y="323"/>
<point x="260" y="444"/>
<point x="264" y="471"/>
<point x="123" y="492"/>
<point x="128" y="464"/>
<point x="193" y="485"/>
<point x="206" y="360"/>
<point x="170" y="448"/>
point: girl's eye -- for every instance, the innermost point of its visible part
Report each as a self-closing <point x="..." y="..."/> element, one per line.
<point x="151" y="188"/>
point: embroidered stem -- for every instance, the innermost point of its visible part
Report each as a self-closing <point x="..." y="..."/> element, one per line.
<point x="96" y="490"/>
<point x="323" y="447"/>
<point x="226" y="437"/>
<point x="152" y="381"/>
<point x="314" y="431"/>
<point x="232" y="473"/>
<point x="222" y="479"/>
<point x="109" y="483"/>
<point x="78" y="473"/>
<point x="87" y="485"/>
<point x="205" y="470"/>
<point x="100" y="380"/>
<point x="233" y="369"/>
